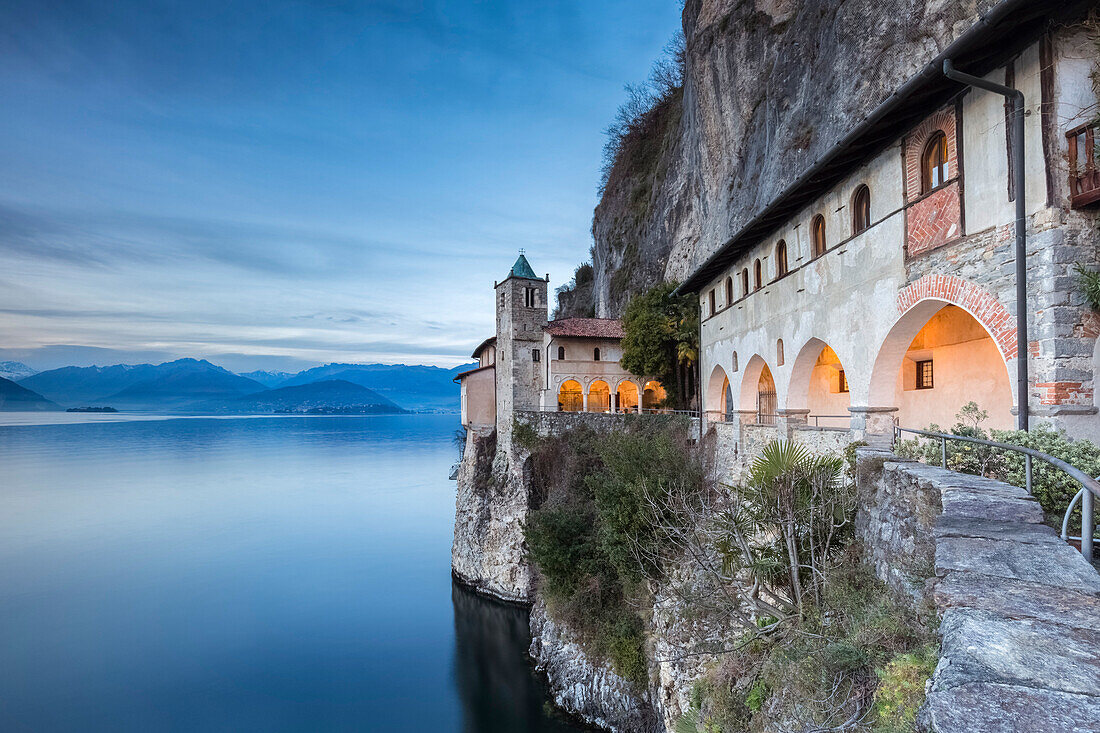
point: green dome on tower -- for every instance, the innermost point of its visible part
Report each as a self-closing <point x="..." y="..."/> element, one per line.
<point x="522" y="268"/>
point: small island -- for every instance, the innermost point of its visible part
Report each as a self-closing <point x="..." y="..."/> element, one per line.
<point x="91" y="409"/>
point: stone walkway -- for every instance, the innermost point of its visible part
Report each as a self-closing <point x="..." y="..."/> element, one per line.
<point x="1021" y="616"/>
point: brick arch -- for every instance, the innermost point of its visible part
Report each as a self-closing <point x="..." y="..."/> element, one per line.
<point x="914" y="146"/>
<point x="974" y="299"/>
<point x="916" y="304"/>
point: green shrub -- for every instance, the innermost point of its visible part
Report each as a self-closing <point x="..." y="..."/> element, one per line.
<point x="821" y="668"/>
<point x="1052" y="487"/>
<point x="900" y="691"/>
<point x="588" y="519"/>
<point x="756" y="696"/>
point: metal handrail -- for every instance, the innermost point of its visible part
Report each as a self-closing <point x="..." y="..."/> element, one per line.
<point x="818" y="418"/>
<point x="1090" y="487"/>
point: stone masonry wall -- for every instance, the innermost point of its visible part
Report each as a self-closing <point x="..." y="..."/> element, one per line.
<point x="1019" y="608"/>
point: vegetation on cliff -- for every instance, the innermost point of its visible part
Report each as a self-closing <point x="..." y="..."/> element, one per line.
<point x="808" y="638"/>
<point x="636" y="156"/>
<point x="590" y="517"/>
<point x="820" y="643"/>
<point x="661" y="339"/>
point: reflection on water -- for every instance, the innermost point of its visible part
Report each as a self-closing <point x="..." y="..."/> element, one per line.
<point x="499" y="693"/>
<point x="266" y="574"/>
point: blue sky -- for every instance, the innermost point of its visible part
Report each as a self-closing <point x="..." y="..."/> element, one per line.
<point x="280" y="184"/>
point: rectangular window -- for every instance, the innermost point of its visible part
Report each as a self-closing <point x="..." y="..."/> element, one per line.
<point x="843" y="381"/>
<point x="924" y="374"/>
<point x="534" y="355"/>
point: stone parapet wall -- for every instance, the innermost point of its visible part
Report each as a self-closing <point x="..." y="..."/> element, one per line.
<point x="555" y="423"/>
<point x="1020" y="608"/>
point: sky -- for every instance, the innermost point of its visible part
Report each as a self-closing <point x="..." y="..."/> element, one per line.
<point x="274" y="185"/>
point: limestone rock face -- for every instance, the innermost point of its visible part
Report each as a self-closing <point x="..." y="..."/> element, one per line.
<point x="590" y="690"/>
<point x="769" y="86"/>
<point x="489" y="552"/>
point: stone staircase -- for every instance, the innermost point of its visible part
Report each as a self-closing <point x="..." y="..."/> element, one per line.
<point x="1020" y="615"/>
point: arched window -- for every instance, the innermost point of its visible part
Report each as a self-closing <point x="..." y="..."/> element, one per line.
<point x="561" y="353"/>
<point x="710" y="299"/>
<point x="817" y="235"/>
<point x="934" y="169"/>
<point x="745" y="281"/>
<point x="780" y="259"/>
<point x="861" y="209"/>
<point x="735" y="361"/>
<point x="757" y="276"/>
<point x="729" y="290"/>
<point x="595" y="354"/>
<point x="779" y="352"/>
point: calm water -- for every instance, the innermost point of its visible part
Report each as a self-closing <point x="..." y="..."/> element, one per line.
<point x="261" y="574"/>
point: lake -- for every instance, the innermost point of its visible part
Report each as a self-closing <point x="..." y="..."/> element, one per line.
<point x="245" y="574"/>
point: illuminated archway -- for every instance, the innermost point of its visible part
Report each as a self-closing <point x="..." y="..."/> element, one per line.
<point x="937" y="358"/>
<point x="653" y="395"/>
<point x="570" y="396"/>
<point x="627" y="395"/>
<point x="819" y="384"/>
<point x="599" y="397"/>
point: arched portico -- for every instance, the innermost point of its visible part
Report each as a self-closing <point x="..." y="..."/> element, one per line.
<point x="599" y="397"/>
<point x="940" y="355"/>
<point x="819" y="385"/>
<point x="719" y="397"/>
<point x="570" y="396"/>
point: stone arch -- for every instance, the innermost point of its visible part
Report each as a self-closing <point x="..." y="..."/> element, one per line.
<point x="570" y="396"/>
<point x="750" y="381"/>
<point x="717" y="389"/>
<point x="653" y="393"/>
<point x="920" y="303"/>
<point x="599" y="396"/>
<point x="818" y="381"/>
<point x="626" y="395"/>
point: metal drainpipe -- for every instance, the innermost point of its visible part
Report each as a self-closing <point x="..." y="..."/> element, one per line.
<point x="1017" y="98"/>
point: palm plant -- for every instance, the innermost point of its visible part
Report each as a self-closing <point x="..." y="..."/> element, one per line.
<point x="788" y="521"/>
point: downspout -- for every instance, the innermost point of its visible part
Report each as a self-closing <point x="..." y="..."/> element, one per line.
<point x="1017" y="98"/>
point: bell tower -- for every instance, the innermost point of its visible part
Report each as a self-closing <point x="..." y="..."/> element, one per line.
<point x="521" y="307"/>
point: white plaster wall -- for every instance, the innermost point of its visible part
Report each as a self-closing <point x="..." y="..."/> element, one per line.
<point x="985" y="154"/>
<point x="964" y="372"/>
<point x="823" y="399"/>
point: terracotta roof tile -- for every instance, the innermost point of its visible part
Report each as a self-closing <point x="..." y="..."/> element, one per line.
<point x="602" y="328"/>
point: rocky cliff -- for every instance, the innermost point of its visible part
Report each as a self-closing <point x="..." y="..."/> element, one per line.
<point x="489" y="553"/>
<point x="769" y="86"/>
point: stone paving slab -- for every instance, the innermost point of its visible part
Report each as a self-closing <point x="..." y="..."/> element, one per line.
<point x="1059" y="565"/>
<point x="1021" y="615"/>
<point x="983" y="707"/>
<point x="1028" y="532"/>
<point x="980" y="646"/>
<point x="973" y="503"/>
<point x="1018" y="599"/>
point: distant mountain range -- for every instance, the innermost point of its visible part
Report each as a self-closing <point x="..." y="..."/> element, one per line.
<point x="268" y="379"/>
<point x="411" y="386"/>
<point x="190" y="385"/>
<point x="329" y="397"/>
<point x="170" y="386"/>
<point x="14" y="370"/>
<point x="14" y="397"/>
